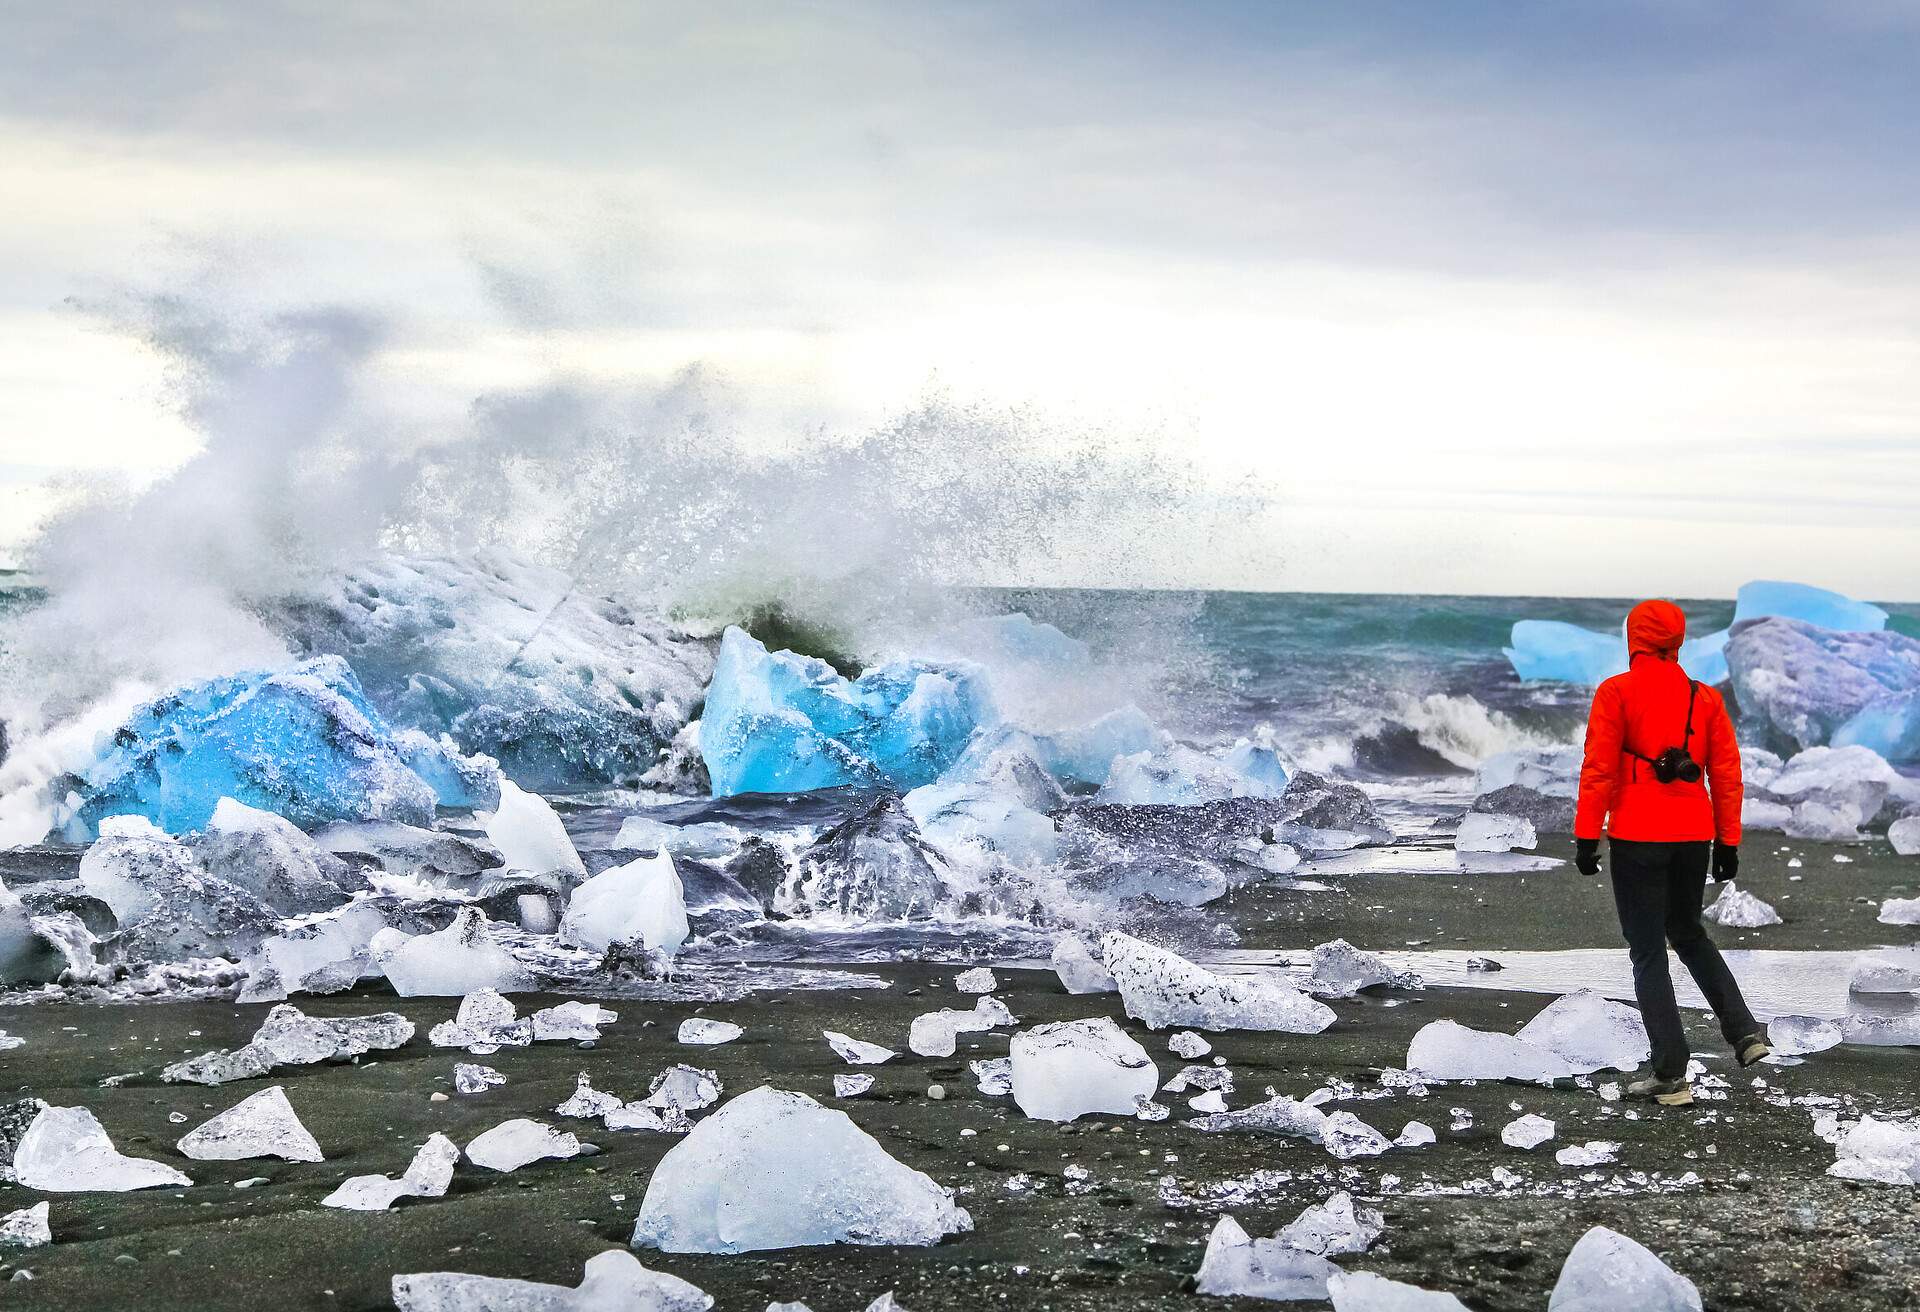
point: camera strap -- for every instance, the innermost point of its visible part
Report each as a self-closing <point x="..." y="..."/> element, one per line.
<point x="1686" y="739"/>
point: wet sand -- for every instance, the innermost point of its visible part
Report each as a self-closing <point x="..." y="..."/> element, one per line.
<point x="1764" y="1227"/>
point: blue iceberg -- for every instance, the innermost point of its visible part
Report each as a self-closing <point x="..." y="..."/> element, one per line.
<point x="1566" y="653"/>
<point x="1765" y="598"/>
<point x="778" y="722"/>
<point x="1800" y="686"/>
<point x="1085" y="755"/>
<point x="303" y="743"/>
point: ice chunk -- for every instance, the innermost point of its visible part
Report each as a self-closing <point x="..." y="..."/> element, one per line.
<point x="26" y="1228"/>
<point x="1079" y="972"/>
<point x="1341" y="970"/>
<point x="272" y="859"/>
<point x="167" y="907"/>
<point x="288" y="1037"/>
<point x="1236" y="1263"/>
<point x="1279" y="1115"/>
<point x="874" y="865"/>
<point x="512" y="1144"/>
<point x="1189" y="1045"/>
<point x="1594" y="1152"/>
<point x="855" y="1052"/>
<point x="529" y="835"/>
<point x="427" y="854"/>
<point x="1878" y="1150"/>
<point x="303" y="743"/>
<point x="937" y="1033"/>
<point x="459" y="959"/>
<point x="485" y="1022"/>
<point x="1528" y="1131"/>
<point x="978" y="980"/>
<point x="426" y="1177"/>
<point x="326" y="954"/>
<point x="851" y="1086"/>
<point x="1739" y="909"/>
<point x="1756" y="813"/>
<point x="641" y="902"/>
<point x="1590" y="1032"/>
<point x="709" y="1194"/>
<point x="1900" y="911"/>
<point x="993" y="1076"/>
<point x="1895" y="970"/>
<point x="1552" y="815"/>
<point x="1484" y="832"/>
<point x="703" y="1032"/>
<point x="1334" y="1227"/>
<point x="1607" y="1271"/>
<point x="1796" y="1036"/>
<point x="777" y="722"/>
<point x="1085" y="755"/>
<point x="1448" y="1050"/>
<point x="1260" y="763"/>
<point x="587" y="1102"/>
<point x="1800" y="601"/>
<point x="955" y="815"/>
<point x="683" y="1089"/>
<point x="1415" y="1134"/>
<point x="713" y="840"/>
<point x="260" y="1125"/>
<point x="66" y="1150"/>
<point x="1346" y="1136"/>
<point x="1799" y="686"/>
<point x="1071" y="1069"/>
<point x="571" y="1021"/>
<point x="470" y="1077"/>
<point x="36" y="949"/>
<point x="1904" y="834"/>
<point x="613" y="1281"/>
<point x="1362" y="1291"/>
<point x="1163" y="990"/>
<point x="1549" y="771"/>
<point x="639" y="1116"/>
<point x="1175" y="775"/>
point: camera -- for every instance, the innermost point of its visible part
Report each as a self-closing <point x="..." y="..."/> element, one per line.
<point x="1674" y="763"/>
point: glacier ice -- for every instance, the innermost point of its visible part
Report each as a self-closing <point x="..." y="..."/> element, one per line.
<point x="856" y="1052"/>
<point x="66" y="1150"/>
<point x="1739" y="909"/>
<point x="1363" y="1291"/>
<point x="1878" y="1150"/>
<point x="1448" y="1050"/>
<point x="1796" y="1036"/>
<point x="527" y="833"/>
<point x="874" y="865"/>
<point x="1085" y="754"/>
<point x="642" y="903"/>
<point x="1800" y="686"/>
<point x="613" y="1281"/>
<point x="1163" y="989"/>
<point x="571" y="1021"/>
<point x="955" y="815"/>
<point x="1346" y="1136"/>
<point x="708" y="1194"/>
<point x="303" y="743"/>
<point x="166" y="906"/>
<point x="1607" y="1271"/>
<point x="1341" y="970"/>
<point x="587" y="1102"/>
<point x="778" y="722"/>
<point x="1819" y="607"/>
<point x="262" y="1124"/>
<point x="1334" y="1227"/>
<point x="289" y="1037"/>
<point x="271" y="858"/>
<point x="37" y="949"/>
<point x="851" y="1086"/>
<point x="1482" y="831"/>
<point x="1589" y="1032"/>
<point x="471" y="1077"/>
<point x="1070" y="1069"/>
<point x="700" y="1031"/>
<point x="1175" y="775"/>
<point x="1900" y="911"/>
<point x="26" y="1228"/>
<point x="459" y="959"/>
<point x="1237" y="1263"/>
<point x="321" y="954"/>
<point x="1904" y="835"/>
<point x="432" y="855"/>
<point x="1893" y="970"/>
<point x="1594" y="1152"/>
<point x="1078" y="969"/>
<point x="708" y="841"/>
<point x="937" y="1033"/>
<point x="512" y="1144"/>
<point x="485" y="1022"/>
<point x="1556" y="651"/>
<point x="427" y="1176"/>
<point x="1529" y="1131"/>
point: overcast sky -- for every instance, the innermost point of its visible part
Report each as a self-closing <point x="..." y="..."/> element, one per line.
<point x="1610" y="298"/>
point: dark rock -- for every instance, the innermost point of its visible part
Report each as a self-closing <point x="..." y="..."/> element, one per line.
<point x="1550" y="815"/>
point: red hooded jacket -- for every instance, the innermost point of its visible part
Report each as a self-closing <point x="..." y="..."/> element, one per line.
<point x="1645" y="711"/>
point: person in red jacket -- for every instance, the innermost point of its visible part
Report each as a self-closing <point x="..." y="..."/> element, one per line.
<point x="1661" y="776"/>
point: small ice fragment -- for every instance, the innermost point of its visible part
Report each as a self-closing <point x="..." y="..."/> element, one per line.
<point x="1607" y="1271"/>
<point x="1482" y="831"/>
<point x="1362" y="1291"/>
<point x="937" y="1033"/>
<point x="851" y="1086"/>
<point x="1528" y="1131"/>
<point x="571" y="1020"/>
<point x="1739" y="909"/>
<point x="1286" y="1116"/>
<point x="1346" y="1136"/>
<point x="512" y="1144"/>
<point x="1415" y="1134"/>
<point x="683" y="1089"/>
<point x="586" y="1102"/>
<point x="1236" y="1263"/>
<point x="994" y="1075"/>
<point x="1163" y="989"/>
<point x="26" y="1228"/>
<point x="66" y="1150"/>
<point x="1064" y="1071"/>
<point x="1208" y="1102"/>
<point x="427" y="1177"/>
<point x="1796" y="1036"/>
<point x="1189" y="1045"/>
<point x="709" y="1193"/>
<point x="1462" y="1120"/>
<point x="978" y="980"/>
<point x="1878" y="1150"/>
<point x="260" y="1125"/>
<point x="1448" y="1050"/>
<point x="857" y="1052"/>
<point x="1900" y="910"/>
<point x="485" y="1022"/>
<point x="1334" y="1227"/>
<point x="1079" y="972"/>
<point x="610" y="1280"/>
<point x="1594" y="1152"/>
<point x="702" y="1032"/>
<point x="469" y="1077"/>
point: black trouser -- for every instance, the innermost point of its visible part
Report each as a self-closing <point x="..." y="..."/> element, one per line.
<point x="1657" y="888"/>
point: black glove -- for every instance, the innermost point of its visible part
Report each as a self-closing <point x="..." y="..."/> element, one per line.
<point x="1726" y="861"/>
<point x="1586" y="855"/>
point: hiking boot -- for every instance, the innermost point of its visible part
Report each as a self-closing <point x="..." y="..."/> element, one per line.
<point x="1668" y="1093"/>
<point x="1752" y="1048"/>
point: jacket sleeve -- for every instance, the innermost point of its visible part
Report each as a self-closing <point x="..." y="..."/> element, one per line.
<point x="1600" y="767"/>
<point x="1723" y="774"/>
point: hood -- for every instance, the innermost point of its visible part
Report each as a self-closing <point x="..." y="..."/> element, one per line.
<point x="1655" y="626"/>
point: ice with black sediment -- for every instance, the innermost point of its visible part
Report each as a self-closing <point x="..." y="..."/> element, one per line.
<point x="874" y="865"/>
<point x="167" y="906"/>
<point x="26" y="1228"/>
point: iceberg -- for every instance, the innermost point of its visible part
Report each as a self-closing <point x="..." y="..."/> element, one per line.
<point x="271" y="858"/>
<point x="1838" y="788"/>
<point x="31" y="948"/>
<point x="1362" y="1291"/>
<point x="1085" y="755"/>
<point x="1235" y="1263"/>
<point x="1334" y="1227"/>
<point x="1077" y="968"/>
<point x="1765" y="598"/>
<point x="778" y="722"/>
<point x="1164" y="990"/>
<point x="167" y="907"/>
<point x="26" y="1228"/>
<point x="303" y="743"/>
<point x="641" y="903"/>
<point x="1554" y="651"/>
<point x="513" y="1144"/>
<point x="428" y="1176"/>
<point x="1607" y="1271"/>
<point x="613" y="1281"/>
<point x="708" y="1194"/>
<point x="457" y="960"/>
<point x="1448" y="1050"/>
<point x="874" y="865"/>
<point x="1739" y="909"/>
<point x="1482" y="831"/>
<point x="529" y="836"/>
<point x="260" y="1125"/>
<point x="66" y="1150"/>
<point x="1799" y="686"/>
<point x="1064" y="1071"/>
<point x="1589" y="1033"/>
